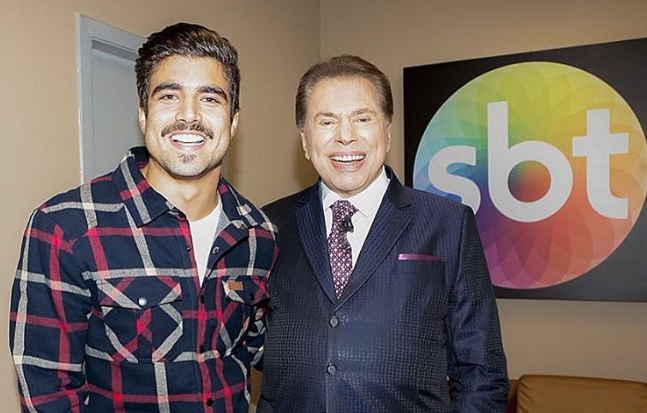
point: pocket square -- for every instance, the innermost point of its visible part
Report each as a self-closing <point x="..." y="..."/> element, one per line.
<point x="418" y="257"/>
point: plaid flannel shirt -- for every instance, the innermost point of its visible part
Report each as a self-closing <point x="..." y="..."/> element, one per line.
<point x="107" y="311"/>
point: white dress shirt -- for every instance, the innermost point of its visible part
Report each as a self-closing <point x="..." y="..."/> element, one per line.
<point x="367" y="203"/>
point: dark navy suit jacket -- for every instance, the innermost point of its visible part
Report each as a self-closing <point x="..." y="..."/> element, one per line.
<point x="418" y="309"/>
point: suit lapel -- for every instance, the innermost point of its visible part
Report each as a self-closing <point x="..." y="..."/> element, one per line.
<point x="390" y="222"/>
<point x="312" y="236"/>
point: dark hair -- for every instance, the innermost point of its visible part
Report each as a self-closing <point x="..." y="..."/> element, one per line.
<point x="190" y="40"/>
<point x="342" y="66"/>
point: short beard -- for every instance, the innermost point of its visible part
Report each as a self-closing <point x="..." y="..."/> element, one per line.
<point x="186" y="166"/>
<point x="187" y="158"/>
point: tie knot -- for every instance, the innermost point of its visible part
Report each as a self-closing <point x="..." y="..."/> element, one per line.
<point x="342" y="209"/>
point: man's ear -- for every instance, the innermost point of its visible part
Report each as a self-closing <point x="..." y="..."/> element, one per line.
<point x="142" y="119"/>
<point x="304" y="143"/>
<point x="388" y="138"/>
<point x="234" y="125"/>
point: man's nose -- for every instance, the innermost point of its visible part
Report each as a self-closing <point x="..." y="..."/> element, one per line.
<point x="189" y="111"/>
<point x="347" y="133"/>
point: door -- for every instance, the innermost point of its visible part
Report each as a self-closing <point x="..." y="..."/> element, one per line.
<point x="107" y="95"/>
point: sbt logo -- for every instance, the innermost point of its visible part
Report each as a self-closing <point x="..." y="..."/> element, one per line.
<point x="596" y="147"/>
<point x="551" y="158"/>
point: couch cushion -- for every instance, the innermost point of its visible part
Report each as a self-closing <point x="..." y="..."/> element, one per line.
<point x="560" y="394"/>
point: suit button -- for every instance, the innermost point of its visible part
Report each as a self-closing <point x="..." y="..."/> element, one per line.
<point x="331" y="369"/>
<point x="334" y="321"/>
<point x="142" y="301"/>
<point x="201" y="349"/>
<point x="209" y="402"/>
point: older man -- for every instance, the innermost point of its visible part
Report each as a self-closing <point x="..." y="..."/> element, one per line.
<point x="144" y="290"/>
<point x="382" y="292"/>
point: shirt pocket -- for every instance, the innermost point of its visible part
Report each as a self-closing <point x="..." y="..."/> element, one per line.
<point x="142" y="317"/>
<point x="243" y="295"/>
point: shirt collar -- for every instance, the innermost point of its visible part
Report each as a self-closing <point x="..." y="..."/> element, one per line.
<point x="367" y="202"/>
<point x="145" y="204"/>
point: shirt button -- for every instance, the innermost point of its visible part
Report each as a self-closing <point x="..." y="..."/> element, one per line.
<point x="209" y="402"/>
<point x="215" y="250"/>
<point x="334" y="321"/>
<point x="188" y="248"/>
<point x="331" y="369"/>
<point x="142" y="301"/>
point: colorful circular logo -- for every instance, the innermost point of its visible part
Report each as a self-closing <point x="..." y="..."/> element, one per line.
<point x="553" y="161"/>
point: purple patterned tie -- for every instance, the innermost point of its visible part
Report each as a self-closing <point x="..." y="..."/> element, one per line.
<point x="341" y="262"/>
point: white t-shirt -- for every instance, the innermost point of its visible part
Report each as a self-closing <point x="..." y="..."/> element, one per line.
<point x="203" y="232"/>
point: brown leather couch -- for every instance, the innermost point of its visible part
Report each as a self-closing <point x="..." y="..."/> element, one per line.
<point x="566" y="394"/>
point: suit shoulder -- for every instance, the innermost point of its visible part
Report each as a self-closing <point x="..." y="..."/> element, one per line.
<point x="437" y="205"/>
<point x="282" y="209"/>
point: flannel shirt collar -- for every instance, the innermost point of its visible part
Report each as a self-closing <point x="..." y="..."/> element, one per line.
<point x="145" y="204"/>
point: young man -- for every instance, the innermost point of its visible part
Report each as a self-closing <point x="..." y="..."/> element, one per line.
<point x="383" y="292"/>
<point x="144" y="290"/>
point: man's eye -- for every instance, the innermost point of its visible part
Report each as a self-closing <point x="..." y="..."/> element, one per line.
<point x="167" y="96"/>
<point x="325" y="122"/>
<point x="363" y="119"/>
<point x="210" y="99"/>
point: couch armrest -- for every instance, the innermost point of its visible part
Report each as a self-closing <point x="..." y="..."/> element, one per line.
<point x="550" y="394"/>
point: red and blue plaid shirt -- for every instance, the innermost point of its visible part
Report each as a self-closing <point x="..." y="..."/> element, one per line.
<point x="107" y="311"/>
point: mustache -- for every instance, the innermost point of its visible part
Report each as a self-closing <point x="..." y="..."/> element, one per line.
<point x="182" y="126"/>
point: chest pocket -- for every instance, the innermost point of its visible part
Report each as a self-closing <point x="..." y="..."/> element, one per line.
<point x="142" y="317"/>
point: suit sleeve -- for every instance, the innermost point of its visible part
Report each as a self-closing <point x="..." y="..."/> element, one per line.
<point x="477" y="364"/>
<point x="49" y="310"/>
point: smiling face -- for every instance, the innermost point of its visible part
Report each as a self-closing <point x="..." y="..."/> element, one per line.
<point x="346" y="135"/>
<point x="187" y="127"/>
